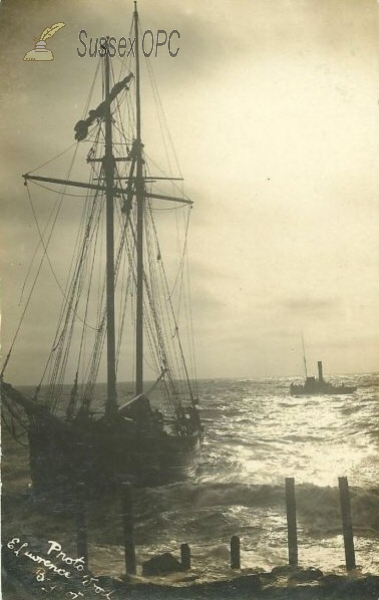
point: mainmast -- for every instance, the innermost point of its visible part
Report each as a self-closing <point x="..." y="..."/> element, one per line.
<point x="108" y="166"/>
<point x="140" y="207"/>
<point x="135" y="185"/>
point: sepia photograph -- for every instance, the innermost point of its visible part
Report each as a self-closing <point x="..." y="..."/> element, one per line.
<point x="189" y="297"/>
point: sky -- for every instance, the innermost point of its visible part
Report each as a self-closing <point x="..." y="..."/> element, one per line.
<point x="273" y="111"/>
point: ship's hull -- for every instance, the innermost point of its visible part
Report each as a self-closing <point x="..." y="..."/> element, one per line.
<point x="102" y="454"/>
<point x="329" y="390"/>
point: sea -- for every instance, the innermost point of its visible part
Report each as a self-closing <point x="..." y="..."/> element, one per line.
<point x="255" y="436"/>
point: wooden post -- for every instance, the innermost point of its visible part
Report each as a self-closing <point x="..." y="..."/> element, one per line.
<point x="185" y="556"/>
<point x="81" y="526"/>
<point x="346" y="523"/>
<point x="235" y="555"/>
<point x="291" y="521"/>
<point x="128" y="525"/>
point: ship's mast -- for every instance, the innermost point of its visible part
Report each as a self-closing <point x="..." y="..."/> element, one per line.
<point x="304" y="357"/>
<point x="140" y="201"/>
<point x="103" y="111"/>
<point x="108" y="166"/>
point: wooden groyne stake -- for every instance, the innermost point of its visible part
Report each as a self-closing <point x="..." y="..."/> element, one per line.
<point x="128" y="525"/>
<point x="346" y="523"/>
<point x="291" y="521"/>
<point x="81" y="525"/>
<point x="235" y="552"/>
<point x="185" y="556"/>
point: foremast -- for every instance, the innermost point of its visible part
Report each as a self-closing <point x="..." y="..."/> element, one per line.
<point x="135" y="187"/>
<point x="139" y="186"/>
<point x="108" y="162"/>
<point x="109" y="166"/>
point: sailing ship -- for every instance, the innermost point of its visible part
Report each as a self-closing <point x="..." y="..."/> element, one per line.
<point x="313" y="386"/>
<point x="155" y="436"/>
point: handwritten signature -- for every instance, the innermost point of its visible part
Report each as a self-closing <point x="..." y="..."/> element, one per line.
<point x="20" y="549"/>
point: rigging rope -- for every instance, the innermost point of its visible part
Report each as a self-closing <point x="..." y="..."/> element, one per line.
<point x="31" y="293"/>
<point x="158" y="314"/>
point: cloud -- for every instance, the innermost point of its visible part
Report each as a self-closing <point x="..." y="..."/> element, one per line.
<point x="273" y="110"/>
<point x="311" y="307"/>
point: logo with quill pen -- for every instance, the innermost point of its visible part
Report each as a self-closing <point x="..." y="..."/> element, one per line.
<point x="40" y="51"/>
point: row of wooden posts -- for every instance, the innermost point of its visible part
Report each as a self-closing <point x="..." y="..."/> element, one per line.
<point x="235" y="553"/>
<point x="347" y="527"/>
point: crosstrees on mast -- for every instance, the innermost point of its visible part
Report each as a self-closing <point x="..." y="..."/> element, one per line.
<point x="153" y="438"/>
<point x="110" y="183"/>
